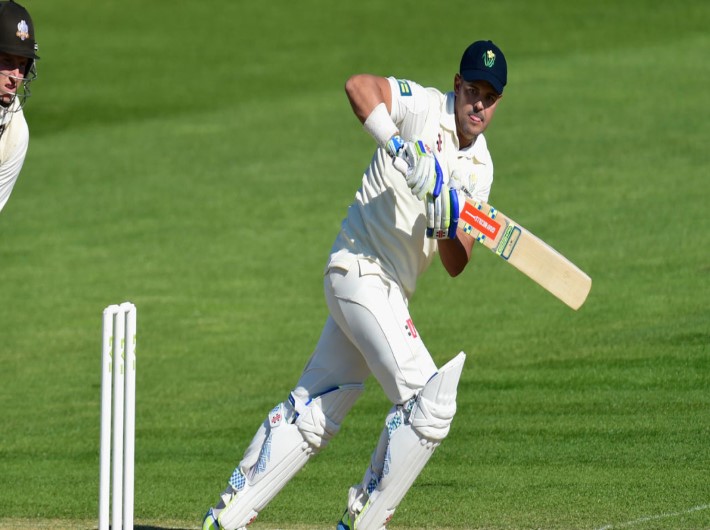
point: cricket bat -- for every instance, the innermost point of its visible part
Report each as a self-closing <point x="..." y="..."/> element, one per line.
<point x="526" y="252"/>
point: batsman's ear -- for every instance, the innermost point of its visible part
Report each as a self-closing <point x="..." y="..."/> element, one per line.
<point x="457" y="82"/>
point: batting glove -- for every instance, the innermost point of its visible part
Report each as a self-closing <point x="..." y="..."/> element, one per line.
<point x="442" y="214"/>
<point x="418" y="164"/>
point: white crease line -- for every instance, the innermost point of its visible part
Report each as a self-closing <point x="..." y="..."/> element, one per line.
<point x="655" y="517"/>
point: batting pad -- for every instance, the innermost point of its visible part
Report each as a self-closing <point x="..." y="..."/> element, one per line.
<point x="293" y="433"/>
<point x="411" y="444"/>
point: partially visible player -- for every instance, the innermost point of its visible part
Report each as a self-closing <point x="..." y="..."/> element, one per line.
<point x="18" y="54"/>
<point x="430" y="147"/>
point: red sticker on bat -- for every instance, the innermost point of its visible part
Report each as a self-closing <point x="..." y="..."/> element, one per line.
<point x="479" y="220"/>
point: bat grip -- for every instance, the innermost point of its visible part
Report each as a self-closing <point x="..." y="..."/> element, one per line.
<point x="400" y="165"/>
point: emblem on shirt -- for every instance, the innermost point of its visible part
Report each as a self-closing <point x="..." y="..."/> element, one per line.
<point x="489" y="58"/>
<point x="23" y="30"/>
<point x="411" y="330"/>
<point x="463" y="176"/>
<point x="404" y="88"/>
<point x="439" y="143"/>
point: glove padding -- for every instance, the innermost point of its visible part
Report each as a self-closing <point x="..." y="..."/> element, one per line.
<point x="418" y="164"/>
<point x="442" y="214"/>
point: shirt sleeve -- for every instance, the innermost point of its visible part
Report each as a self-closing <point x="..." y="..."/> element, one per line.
<point x="410" y="107"/>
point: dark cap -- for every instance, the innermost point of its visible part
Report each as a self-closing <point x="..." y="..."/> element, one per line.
<point x="17" y="33"/>
<point x="483" y="61"/>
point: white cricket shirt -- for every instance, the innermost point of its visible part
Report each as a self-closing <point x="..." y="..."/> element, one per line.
<point x="13" y="147"/>
<point x="385" y="227"/>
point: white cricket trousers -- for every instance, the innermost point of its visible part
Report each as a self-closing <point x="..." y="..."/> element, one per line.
<point x="369" y="331"/>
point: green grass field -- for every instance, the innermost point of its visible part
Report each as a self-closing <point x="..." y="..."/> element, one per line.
<point x="197" y="158"/>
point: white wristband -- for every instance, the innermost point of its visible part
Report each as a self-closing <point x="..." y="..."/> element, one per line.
<point x="380" y="125"/>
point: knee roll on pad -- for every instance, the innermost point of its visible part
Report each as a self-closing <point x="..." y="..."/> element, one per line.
<point x="435" y="406"/>
<point x="294" y="431"/>
<point x="414" y="430"/>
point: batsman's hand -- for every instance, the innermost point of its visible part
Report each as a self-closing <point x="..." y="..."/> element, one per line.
<point x="418" y="164"/>
<point x="442" y="214"/>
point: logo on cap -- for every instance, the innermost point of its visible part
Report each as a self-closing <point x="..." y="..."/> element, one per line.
<point x="22" y="30"/>
<point x="489" y="58"/>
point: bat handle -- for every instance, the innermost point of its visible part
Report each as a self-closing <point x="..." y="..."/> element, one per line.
<point x="400" y="165"/>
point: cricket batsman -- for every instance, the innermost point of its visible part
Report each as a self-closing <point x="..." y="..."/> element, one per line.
<point x="430" y="155"/>
<point x="18" y="54"/>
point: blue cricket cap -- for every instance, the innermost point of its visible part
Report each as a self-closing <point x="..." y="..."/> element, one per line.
<point x="484" y="61"/>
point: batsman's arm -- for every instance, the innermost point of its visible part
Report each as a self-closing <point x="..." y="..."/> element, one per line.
<point x="365" y="92"/>
<point x="455" y="253"/>
<point x="370" y="97"/>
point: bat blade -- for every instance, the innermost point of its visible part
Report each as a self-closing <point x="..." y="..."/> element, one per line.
<point x="526" y="252"/>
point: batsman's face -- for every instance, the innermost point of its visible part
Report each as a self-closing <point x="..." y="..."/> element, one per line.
<point x="475" y="104"/>
<point x="12" y="73"/>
